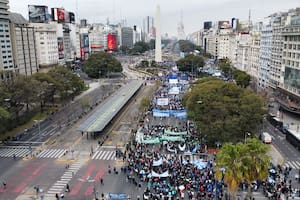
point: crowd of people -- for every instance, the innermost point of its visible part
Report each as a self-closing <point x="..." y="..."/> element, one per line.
<point x="172" y="178"/>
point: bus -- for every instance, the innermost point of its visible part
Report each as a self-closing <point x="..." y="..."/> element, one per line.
<point x="293" y="138"/>
<point x="275" y="121"/>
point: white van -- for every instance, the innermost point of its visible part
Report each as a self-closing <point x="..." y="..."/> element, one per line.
<point x="266" y="138"/>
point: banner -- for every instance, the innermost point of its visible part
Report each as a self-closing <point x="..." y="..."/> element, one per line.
<point x="161" y="113"/>
<point x="162" y="175"/>
<point x="162" y="101"/>
<point x="157" y="162"/>
<point x="168" y="132"/>
<point x="174" y="90"/>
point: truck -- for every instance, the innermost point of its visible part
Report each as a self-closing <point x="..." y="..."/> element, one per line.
<point x="266" y="138"/>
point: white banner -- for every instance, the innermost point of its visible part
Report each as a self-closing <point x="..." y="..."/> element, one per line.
<point x="173" y="81"/>
<point x="162" y="101"/>
<point x="174" y="90"/>
<point x="157" y="162"/>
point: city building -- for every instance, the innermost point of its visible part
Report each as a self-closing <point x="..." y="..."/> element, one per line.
<point x="127" y="37"/>
<point x="254" y="55"/>
<point x="46" y="43"/>
<point x="277" y="23"/>
<point x="97" y="38"/>
<point x="6" y="53"/>
<point x="264" y="57"/>
<point x="243" y="52"/>
<point x="289" y="87"/>
<point x="23" y="45"/>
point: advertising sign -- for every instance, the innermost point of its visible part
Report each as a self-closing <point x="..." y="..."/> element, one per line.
<point x="60" y="44"/>
<point x="58" y="15"/>
<point x="111" y="42"/>
<point x="38" y="14"/>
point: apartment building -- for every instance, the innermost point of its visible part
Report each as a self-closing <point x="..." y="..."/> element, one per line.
<point x="6" y="53"/>
<point x="23" y="45"/>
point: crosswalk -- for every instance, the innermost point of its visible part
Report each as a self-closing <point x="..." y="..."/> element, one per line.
<point x="104" y="155"/>
<point x="60" y="185"/>
<point x="19" y="152"/>
<point x="292" y="164"/>
<point x="51" y="153"/>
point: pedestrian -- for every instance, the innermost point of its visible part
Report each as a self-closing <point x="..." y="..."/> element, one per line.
<point x="56" y="196"/>
<point x="4" y="184"/>
<point x="14" y="156"/>
<point x="67" y="188"/>
<point x="101" y="181"/>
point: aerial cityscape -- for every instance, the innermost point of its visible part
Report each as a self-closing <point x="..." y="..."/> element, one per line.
<point x="149" y="100"/>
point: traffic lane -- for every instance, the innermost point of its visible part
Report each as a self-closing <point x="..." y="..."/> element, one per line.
<point x="288" y="151"/>
<point x="87" y="182"/>
<point x="25" y="175"/>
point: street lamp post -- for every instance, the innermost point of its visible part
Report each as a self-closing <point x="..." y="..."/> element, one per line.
<point x="246" y="134"/>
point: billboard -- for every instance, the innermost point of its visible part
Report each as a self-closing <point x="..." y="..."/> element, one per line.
<point x="60" y="44"/>
<point x="207" y="25"/>
<point x="58" y="14"/>
<point x="224" y="25"/>
<point x="71" y="17"/>
<point x="111" y="42"/>
<point x="38" y="14"/>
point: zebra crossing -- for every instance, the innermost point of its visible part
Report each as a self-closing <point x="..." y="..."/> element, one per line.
<point x="104" y="155"/>
<point x="14" y="151"/>
<point x="60" y="185"/>
<point x="292" y="164"/>
<point x="52" y="153"/>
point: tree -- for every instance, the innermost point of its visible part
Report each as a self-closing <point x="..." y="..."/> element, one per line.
<point x="67" y="83"/>
<point x="190" y="63"/>
<point x="186" y="46"/>
<point x="242" y="162"/>
<point x="222" y="110"/>
<point x="101" y="64"/>
<point x="242" y="78"/>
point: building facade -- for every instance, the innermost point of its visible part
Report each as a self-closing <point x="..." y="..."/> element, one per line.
<point x="24" y="45"/>
<point x="6" y="53"/>
<point x="46" y="43"/>
<point x="127" y="37"/>
<point x="264" y="57"/>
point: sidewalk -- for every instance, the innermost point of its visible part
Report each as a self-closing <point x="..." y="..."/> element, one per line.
<point x="276" y="157"/>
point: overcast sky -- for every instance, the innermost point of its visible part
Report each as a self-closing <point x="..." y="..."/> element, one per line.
<point x="195" y="12"/>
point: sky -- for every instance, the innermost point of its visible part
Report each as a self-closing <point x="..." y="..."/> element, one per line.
<point x="194" y="12"/>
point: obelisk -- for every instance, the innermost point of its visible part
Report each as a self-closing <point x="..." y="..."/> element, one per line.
<point x="158" y="36"/>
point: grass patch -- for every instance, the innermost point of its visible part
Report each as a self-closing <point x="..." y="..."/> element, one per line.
<point x="21" y="128"/>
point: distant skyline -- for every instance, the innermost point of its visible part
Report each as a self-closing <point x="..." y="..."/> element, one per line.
<point x="195" y="12"/>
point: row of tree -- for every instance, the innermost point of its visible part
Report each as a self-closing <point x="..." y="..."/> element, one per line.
<point x="223" y="111"/>
<point x="190" y="63"/>
<point x="21" y="95"/>
<point x="241" y="77"/>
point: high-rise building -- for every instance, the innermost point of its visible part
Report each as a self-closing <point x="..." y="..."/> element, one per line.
<point x="265" y="57"/>
<point x="277" y="23"/>
<point x="158" y="56"/>
<point x="290" y="81"/>
<point x="23" y="44"/>
<point x="46" y="43"/>
<point x="6" y="54"/>
<point x="127" y="37"/>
